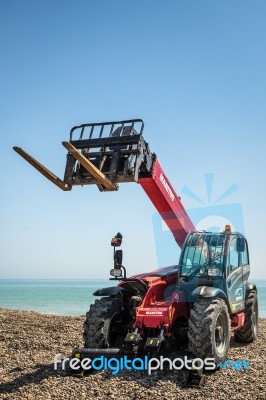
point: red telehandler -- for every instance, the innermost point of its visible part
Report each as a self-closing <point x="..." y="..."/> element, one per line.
<point x="201" y="300"/>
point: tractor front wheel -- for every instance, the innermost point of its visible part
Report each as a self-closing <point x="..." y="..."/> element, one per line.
<point x="106" y="323"/>
<point x="209" y="329"/>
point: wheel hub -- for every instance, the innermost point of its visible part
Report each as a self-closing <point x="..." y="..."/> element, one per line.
<point x="220" y="337"/>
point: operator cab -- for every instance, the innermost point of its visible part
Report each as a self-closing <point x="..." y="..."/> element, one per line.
<point x="217" y="260"/>
<point x="203" y="255"/>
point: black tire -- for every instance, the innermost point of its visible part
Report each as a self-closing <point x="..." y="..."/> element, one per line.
<point x="106" y="324"/>
<point x="249" y="332"/>
<point x="209" y="329"/>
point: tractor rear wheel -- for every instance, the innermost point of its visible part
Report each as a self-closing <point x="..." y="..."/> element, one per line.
<point x="209" y="329"/>
<point x="249" y="332"/>
<point x="106" y="323"/>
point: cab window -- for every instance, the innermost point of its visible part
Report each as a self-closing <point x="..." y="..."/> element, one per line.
<point x="244" y="256"/>
<point x="233" y="256"/>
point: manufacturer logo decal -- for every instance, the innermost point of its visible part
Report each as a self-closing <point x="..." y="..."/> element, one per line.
<point x="154" y="312"/>
<point x="239" y="294"/>
<point x="167" y="187"/>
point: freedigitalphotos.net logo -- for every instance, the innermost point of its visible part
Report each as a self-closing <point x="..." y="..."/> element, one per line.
<point x="116" y="364"/>
<point x="212" y="213"/>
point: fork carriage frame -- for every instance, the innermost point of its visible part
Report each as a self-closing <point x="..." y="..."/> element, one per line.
<point x="105" y="154"/>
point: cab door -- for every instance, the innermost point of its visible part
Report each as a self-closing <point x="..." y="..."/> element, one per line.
<point x="235" y="282"/>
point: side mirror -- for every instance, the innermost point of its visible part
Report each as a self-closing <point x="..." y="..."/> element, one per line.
<point x="118" y="257"/>
<point x="117" y="240"/>
<point x="118" y="272"/>
<point x="240" y="244"/>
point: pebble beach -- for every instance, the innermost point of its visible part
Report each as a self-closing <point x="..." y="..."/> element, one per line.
<point x="29" y="342"/>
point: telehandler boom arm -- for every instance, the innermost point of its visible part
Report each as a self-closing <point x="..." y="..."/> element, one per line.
<point x="167" y="203"/>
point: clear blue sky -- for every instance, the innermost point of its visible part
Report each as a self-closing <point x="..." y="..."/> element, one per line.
<point x="193" y="70"/>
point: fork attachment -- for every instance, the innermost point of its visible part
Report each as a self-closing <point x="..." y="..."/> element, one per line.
<point x="105" y="154"/>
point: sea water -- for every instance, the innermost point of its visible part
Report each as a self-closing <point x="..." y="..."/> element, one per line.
<point x="59" y="297"/>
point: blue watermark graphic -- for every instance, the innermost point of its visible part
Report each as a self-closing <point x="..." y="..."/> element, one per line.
<point x="211" y="215"/>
